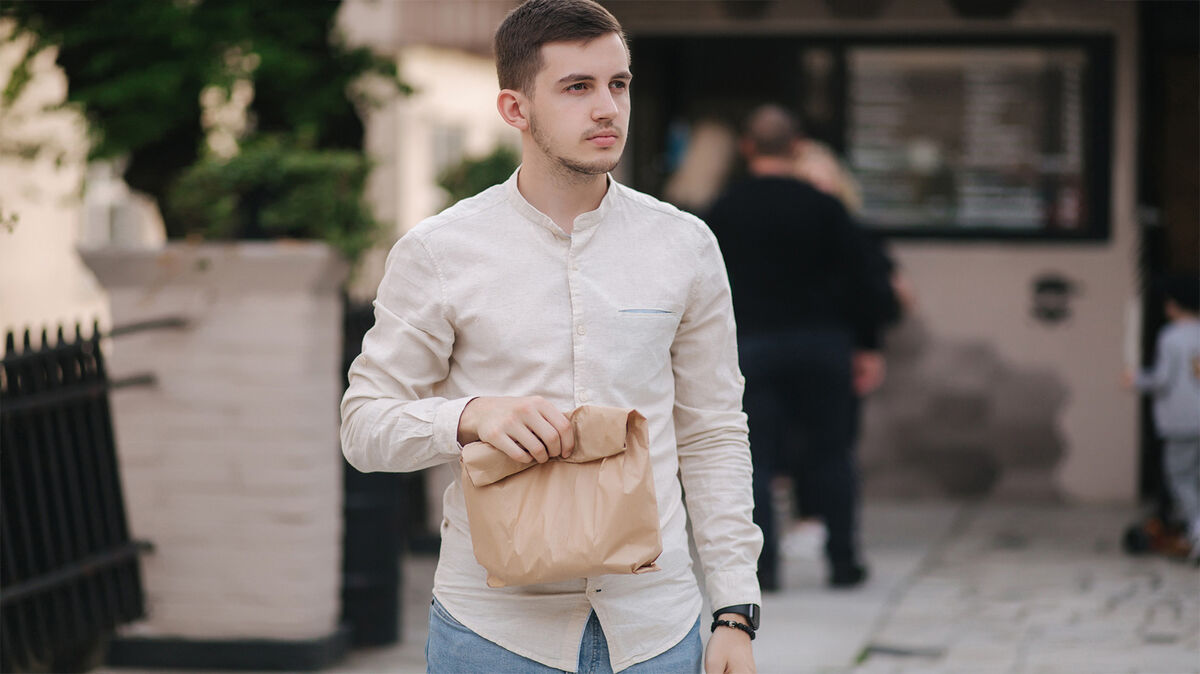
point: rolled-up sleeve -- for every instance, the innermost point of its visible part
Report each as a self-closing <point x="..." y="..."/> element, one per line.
<point x="712" y="436"/>
<point x="391" y="419"/>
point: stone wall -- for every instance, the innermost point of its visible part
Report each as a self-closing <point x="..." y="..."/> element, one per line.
<point x="230" y="463"/>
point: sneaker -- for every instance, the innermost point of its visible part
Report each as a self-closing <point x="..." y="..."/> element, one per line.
<point x="845" y="576"/>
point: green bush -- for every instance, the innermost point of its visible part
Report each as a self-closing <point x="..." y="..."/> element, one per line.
<point x="276" y="188"/>
<point x="137" y="68"/>
<point x="474" y="175"/>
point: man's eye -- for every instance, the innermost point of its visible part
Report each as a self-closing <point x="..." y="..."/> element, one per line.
<point x="620" y="85"/>
<point x="578" y="86"/>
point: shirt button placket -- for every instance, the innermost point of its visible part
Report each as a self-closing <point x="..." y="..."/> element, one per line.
<point x="580" y="328"/>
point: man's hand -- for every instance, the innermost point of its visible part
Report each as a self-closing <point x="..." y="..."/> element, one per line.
<point x="906" y="294"/>
<point x="1128" y="378"/>
<point x="527" y="429"/>
<point x="868" y="369"/>
<point x="729" y="650"/>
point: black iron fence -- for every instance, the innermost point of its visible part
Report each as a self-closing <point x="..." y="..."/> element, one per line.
<point x="69" y="570"/>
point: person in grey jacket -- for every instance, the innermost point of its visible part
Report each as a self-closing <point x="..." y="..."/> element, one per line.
<point x="1174" y="381"/>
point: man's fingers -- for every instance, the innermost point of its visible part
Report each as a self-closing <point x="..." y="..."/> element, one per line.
<point x="562" y="430"/>
<point x="512" y="449"/>
<point x="550" y="435"/>
<point x="566" y="434"/>
<point x="532" y="444"/>
<point x="526" y="429"/>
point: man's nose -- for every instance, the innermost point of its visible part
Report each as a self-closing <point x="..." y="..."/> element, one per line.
<point x="605" y="106"/>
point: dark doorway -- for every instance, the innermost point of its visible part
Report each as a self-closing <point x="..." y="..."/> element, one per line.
<point x="1169" y="179"/>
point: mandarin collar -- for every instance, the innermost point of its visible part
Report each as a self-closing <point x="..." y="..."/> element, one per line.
<point x="583" y="221"/>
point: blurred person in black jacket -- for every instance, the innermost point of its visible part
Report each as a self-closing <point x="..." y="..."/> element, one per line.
<point x="808" y="294"/>
<point x="818" y="165"/>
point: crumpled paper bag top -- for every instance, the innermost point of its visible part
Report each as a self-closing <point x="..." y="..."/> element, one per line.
<point x="599" y="432"/>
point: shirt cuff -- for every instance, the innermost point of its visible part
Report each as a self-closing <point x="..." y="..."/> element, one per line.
<point x="445" y="426"/>
<point x="732" y="588"/>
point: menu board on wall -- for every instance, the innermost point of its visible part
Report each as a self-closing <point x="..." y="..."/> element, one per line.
<point x="970" y="139"/>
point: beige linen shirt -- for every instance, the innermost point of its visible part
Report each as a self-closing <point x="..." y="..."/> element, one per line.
<point x="491" y="298"/>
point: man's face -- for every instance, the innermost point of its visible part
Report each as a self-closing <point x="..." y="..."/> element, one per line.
<point x="579" y="106"/>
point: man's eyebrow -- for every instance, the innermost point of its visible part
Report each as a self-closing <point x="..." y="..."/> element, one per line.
<point x="581" y="77"/>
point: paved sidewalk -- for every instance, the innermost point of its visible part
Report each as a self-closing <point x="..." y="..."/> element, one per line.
<point x="955" y="589"/>
<point x="1039" y="589"/>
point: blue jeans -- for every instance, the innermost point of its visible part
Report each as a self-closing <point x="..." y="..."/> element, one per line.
<point x="454" y="649"/>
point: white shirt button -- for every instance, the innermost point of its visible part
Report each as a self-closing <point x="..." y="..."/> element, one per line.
<point x="580" y="329"/>
<point x="584" y="396"/>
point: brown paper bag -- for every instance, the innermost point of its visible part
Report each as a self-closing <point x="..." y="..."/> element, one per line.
<point x="590" y="514"/>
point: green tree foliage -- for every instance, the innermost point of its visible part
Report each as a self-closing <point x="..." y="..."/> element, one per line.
<point x="276" y="188"/>
<point x="474" y="175"/>
<point x="137" y="67"/>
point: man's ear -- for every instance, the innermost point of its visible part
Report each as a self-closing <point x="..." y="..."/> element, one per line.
<point x="513" y="106"/>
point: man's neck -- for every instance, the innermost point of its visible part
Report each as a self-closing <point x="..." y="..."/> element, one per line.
<point x="560" y="193"/>
<point x="772" y="166"/>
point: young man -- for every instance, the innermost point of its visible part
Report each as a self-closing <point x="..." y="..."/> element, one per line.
<point x="559" y="288"/>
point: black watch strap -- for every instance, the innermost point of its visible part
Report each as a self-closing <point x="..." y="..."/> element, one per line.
<point x="749" y="611"/>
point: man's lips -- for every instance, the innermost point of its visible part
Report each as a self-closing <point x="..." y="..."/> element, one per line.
<point x="604" y="139"/>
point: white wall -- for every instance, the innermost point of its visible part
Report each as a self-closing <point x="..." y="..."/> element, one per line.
<point x="983" y="292"/>
<point x="230" y="462"/>
<point x="42" y="280"/>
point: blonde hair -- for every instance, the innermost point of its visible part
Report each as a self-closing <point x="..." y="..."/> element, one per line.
<point x="710" y="154"/>
<point x="818" y="165"/>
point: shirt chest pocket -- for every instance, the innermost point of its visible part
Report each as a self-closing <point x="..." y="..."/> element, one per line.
<point x="639" y="336"/>
<point x="649" y="317"/>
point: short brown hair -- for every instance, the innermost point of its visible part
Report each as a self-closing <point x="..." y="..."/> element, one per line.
<point x="772" y="131"/>
<point x="520" y="37"/>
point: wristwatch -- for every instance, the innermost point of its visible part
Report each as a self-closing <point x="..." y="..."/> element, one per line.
<point x="750" y="611"/>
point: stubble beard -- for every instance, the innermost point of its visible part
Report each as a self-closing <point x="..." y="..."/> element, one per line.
<point x="569" y="167"/>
